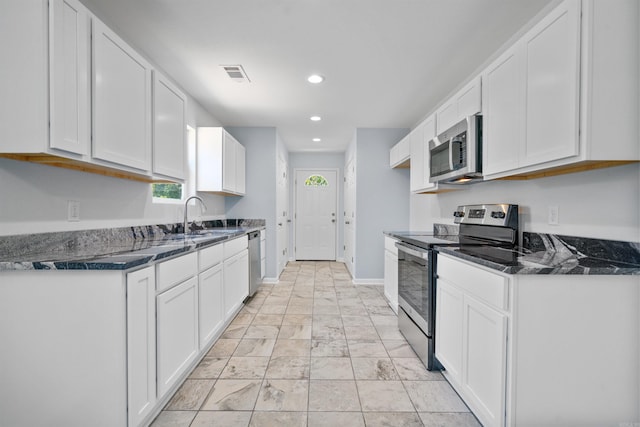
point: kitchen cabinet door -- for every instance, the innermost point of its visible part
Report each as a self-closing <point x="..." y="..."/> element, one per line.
<point x="169" y="129"/>
<point x="502" y="113"/>
<point x="391" y="275"/>
<point x="141" y="344"/>
<point x="69" y="79"/>
<point x="221" y="166"/>
<point x="400" y="154"/>
<point x="121" y="102"/>
<point x="416" y="174"/>
<point x="211" y="304"/>
<point x="236" y="282"/>
<point x="484" y="362"/>
<point x="466" y="102"/>
<point x="241" y="159"/>
<point x="428" y="133"/>
<point x="552" y="68"/>
<point x="228" y="163"/>
<point x="449" y="311"/>
<point x="177" y="332"/>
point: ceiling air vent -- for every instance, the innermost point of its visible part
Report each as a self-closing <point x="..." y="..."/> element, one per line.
<point x="236" y="73"/>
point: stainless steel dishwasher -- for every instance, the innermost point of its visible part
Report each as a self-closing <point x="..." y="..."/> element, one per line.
<point x="254" y="262"/>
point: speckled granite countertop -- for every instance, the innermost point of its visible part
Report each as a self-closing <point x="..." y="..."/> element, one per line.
<point x="550" y="254"/>
<point x="114" y="248"/>
<point x="555" y="254"/>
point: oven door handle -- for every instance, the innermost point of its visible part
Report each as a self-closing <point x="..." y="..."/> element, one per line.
<point x="413" y="250"/>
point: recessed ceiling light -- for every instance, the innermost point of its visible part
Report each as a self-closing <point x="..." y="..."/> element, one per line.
<point x="315" y="78"/>
<point x="316" y="139"/>
<point x="315" y="118"/>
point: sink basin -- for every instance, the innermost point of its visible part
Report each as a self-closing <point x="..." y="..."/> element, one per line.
<point x="211" y="232"/>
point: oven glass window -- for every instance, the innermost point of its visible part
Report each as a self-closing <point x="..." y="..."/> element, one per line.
<point x="413" y="283"/>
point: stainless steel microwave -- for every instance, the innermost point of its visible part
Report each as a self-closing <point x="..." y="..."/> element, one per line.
<point x="456" y="154"/>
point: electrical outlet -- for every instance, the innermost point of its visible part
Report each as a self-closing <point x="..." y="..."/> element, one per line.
<point x="553" y="215"/>
<point x="73" y="210"/>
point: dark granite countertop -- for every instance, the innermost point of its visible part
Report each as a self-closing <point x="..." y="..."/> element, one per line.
<point x="547" y="254"/>
<point x="555" y="254"/>
<point x="114" y="249"/>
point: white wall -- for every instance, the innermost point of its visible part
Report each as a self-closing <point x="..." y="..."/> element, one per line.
<point x="603" y="203"/>
<point x="320" y="161"/>
<point x="33" y="197"/>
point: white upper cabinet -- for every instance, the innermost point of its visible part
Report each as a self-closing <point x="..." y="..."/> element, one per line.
<point x="553" y="99"/>
<point x="502" y="108"/>
<point x="169" y="129"/>
<point x="466" y="102"/>
<point x="121" y="102"/>
<point x="420" y="159"/>
<point x="220" y="162"/>
<point x="47" y="80"/>
<point x="551" y="86"/>
<point x="531" y="102"/>
<point x="69" y="60"/>
<point x="400" y="154"/>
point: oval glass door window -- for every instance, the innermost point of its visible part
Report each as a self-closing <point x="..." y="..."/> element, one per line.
<point x="316" y="181"/>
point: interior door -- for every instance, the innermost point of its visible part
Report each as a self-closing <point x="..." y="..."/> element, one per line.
<point x="349" y="215"/>
<point x="316" y="216"/>
<point x="282" y="214"/>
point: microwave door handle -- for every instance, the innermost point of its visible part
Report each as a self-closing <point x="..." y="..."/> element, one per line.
<point x="451" y="154"/>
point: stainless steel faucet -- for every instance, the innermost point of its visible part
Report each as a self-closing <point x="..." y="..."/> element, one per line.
<point x="186" y="228"/>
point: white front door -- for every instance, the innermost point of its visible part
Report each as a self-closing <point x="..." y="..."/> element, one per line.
<point x="316" y="216"/>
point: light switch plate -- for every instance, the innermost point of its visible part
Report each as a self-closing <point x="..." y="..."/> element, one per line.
<point x="73" y="210"/>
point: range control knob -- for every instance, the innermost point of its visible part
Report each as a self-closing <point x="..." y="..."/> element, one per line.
<point x="458" y="214"/>
<point x="497" y="214"/>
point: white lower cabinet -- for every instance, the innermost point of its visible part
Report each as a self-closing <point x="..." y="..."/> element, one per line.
<point x="236" y="281"/>
<point x="177" y="325"/>
<point x="211" y="303"/>
<point x="141" y="344"/>
<point x="471" y="341"/>
<point x="449" y="328"/>
<point x="118" y="344"/>
<point x="527" y="350"/>
<point x="391" y="272"/>
<point x="484" y="341"/>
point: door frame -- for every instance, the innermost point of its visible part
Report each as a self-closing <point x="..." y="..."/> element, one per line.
<point x="295" y="206"/>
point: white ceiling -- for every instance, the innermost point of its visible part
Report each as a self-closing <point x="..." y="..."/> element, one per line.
<point x="387" y="63"/>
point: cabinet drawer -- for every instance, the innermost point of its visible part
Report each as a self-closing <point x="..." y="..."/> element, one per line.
<point x="390" y="245"/>
<point x="489" y="287"/>
<point x="170" y="273"/>
<point x="210" y="256"/>
<point x="234" y="246"/>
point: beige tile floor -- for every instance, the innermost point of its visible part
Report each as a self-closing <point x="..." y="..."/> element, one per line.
<point x="314" y="350"/>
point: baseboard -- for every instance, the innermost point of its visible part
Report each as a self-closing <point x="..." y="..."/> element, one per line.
<point x="377" y="282"/>
<point x="270" y="280"/>
<point x="339" y="259"/>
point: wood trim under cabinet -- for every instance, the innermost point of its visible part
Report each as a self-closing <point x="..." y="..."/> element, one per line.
<point x="66" y="163"/>
<point x="571" y="168"/>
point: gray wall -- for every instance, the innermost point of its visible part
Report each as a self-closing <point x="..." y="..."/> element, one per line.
<point x="260" y="198"/>
<point x="382" y="198"/>
<point x="319" y="161"/>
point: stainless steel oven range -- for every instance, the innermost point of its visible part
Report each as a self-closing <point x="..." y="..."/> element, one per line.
<point x="488" y="226"/>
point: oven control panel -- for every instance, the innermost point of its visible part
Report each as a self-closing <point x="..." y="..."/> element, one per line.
<point x="503" y="215"/>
